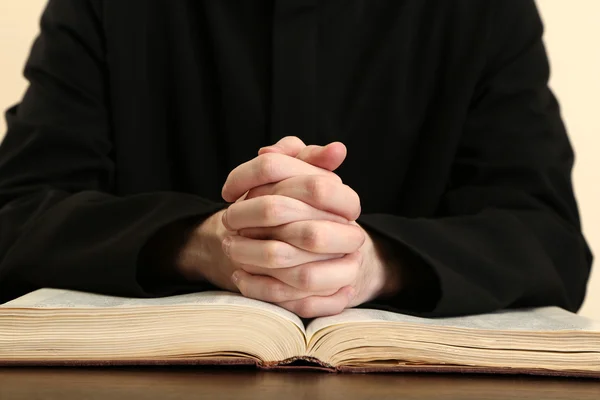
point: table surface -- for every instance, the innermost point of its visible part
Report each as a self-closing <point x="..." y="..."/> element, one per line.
<point x="210" y="383"/>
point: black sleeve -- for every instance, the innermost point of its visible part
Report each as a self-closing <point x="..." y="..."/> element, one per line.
<point x="59" y="226"/>
<point x="507" y="233"/>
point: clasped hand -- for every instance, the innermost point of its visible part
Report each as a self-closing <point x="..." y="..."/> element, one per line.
<point x="290" y="236"/>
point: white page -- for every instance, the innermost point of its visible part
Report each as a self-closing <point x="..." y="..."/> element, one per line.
<point x="58" y="298"/>
<point x="542" y="319"/>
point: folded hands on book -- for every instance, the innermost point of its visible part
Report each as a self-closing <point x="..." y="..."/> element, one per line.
<point x="290" y="237"/>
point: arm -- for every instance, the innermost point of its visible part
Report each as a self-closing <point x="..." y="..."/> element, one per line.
<point x="507" y="232"/>
<point x="59" y="226"/>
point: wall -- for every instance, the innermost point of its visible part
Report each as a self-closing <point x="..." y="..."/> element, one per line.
<point x="19" y="23"/>
<point x="572" y="37"/>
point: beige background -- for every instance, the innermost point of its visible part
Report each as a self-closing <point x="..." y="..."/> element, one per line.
<point x="572" y="37"/>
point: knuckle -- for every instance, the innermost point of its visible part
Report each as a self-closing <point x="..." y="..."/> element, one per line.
<point x="274" y="255"/>
<point x="305" y="278"/>
<point x="267" y="166"/>
<point x="277" y="293"/>
<point x="271" y="254"/>
<point x="318" y="189"/>
<point x="272" y="209"/>
<point x="313" y="239"/>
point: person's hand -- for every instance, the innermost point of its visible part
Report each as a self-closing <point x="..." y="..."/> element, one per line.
<point x="202" y="256"/>
<point x="321" y="288"/>
<point x="294" y="216"/>
<point x="310" y="266"/>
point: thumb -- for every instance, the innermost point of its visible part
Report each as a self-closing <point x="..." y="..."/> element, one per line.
<point x="289" y="145"/>
<point x="328" y="157"/>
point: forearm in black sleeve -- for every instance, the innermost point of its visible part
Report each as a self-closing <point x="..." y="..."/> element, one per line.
<point x="59" y="224"/>
<point x="507" y="233"/>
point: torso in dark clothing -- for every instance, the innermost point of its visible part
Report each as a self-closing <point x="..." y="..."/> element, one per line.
<point x="139" y="109"/>
<point x="198" y="87"/>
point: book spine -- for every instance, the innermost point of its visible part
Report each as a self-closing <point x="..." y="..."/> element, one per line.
<point x="296" y="363"/>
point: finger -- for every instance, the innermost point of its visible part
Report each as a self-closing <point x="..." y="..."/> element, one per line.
<point x="318" y="191"/>
<point x="328" y="157"/>
<point x="244" y="196"/>
<point x="327" y="290"/>
<point x="268" y="253"/>
<point x="266" y="288"/>
<point x="289" y="145"/>
<point x="320" y="306"/>
<point x="272" y="211"/>
<point x="314" y="236"/>
<point x="264" y="190"/>
<point x="319" y="276"/>
<point x="267" y="168"/>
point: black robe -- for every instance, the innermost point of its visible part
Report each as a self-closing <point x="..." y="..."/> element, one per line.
<point x="137" y="110"/>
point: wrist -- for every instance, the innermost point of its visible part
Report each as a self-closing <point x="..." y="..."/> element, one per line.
<point x="201" y="249"/>
<point x="391" y="269"/>
<point x="405" y="280"/>
<point x="385" y="271"/>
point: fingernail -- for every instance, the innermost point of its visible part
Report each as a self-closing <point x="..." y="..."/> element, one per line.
<point x="235" y="277"/>
<point x="269" y="149"/>
<point x="226" y="244"/>
<point x="224" y="221"/>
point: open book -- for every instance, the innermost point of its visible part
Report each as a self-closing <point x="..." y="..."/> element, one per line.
<point x="58" y="327"/>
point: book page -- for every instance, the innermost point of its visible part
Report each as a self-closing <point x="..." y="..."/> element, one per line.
<point x="58" y="298"/>
<point x="542" y="319"/>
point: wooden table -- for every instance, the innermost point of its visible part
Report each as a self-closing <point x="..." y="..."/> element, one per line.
<point x="206" y="383"/>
